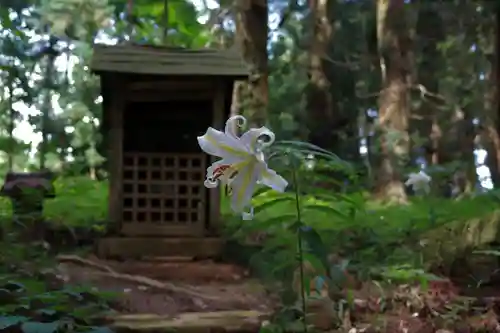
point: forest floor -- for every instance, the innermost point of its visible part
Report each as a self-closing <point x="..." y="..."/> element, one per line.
<point x="167" y="288"/>
<point x="197" y="293"/>
<point x="204" y="289"/>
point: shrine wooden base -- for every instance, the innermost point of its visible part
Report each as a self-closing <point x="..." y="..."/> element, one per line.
<point x="141" y="247"/>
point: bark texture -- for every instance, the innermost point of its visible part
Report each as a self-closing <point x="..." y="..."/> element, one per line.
<point x="394" y="47"/>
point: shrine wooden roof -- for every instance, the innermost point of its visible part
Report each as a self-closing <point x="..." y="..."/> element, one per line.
<point x="158" y="60"/>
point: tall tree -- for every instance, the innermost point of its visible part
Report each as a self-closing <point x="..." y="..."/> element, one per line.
<point x="491" y="121"/>
<point x="464" y="90"/>
<point x="50" y="56"/>
<point x="252" y="25"/>
<point x="321" y="109"/>
<point x="394" y="46"/>
<point x="425" y="125"/>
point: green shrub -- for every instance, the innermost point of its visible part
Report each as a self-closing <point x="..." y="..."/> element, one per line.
<point x="79" y="201"/>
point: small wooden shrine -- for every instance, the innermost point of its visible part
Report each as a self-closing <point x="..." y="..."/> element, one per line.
<point x="156" y="101"/>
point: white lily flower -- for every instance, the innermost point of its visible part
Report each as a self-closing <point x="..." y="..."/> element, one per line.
<point x="420" y="182"/>
<point x="242" y="163"/>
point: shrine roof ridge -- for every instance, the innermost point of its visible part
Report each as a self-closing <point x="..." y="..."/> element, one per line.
<point x="161" y="60"/>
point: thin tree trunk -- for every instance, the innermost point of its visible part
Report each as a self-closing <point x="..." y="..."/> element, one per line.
<point x="129" y="30"/>
<point x="165" y="22"/>
<point x="11" y="125"/>
<point x="252" y="26"/>
<point x="47" y="100"/>
<point x="321" y="110"/>
<point x="394" y="47"/>
<point x="457" y="143"/>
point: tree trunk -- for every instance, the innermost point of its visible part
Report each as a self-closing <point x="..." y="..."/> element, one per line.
<point x="492" y="118"/>
<point x="394" y="46"/>
<point x="252" y="25"/>
<point x="46" y="107"/>
<point x="321" y="110"/>
<point x="457" y="144"/>
<point x="12" y="125"/>
<point x="430" y="30"/>
<point x="129" y="30"/>
<point x="165" y="22"/>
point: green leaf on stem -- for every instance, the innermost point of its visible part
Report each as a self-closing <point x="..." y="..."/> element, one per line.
<point x="326" y="209"/>
<point x="271" y="202"/>
<point x="315" y="245"/>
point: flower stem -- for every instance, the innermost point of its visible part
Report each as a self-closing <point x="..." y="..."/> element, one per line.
<point x="299" y="244"/>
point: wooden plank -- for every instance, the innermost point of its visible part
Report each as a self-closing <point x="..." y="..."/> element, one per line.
<point x="232" y="54"/>
<point x="166" y="61"/>
<point x="161" y="155"/>
<point x="150" y="229"/>
<point x="172" y="84"/>
<point x="115" y="114"/>
<point x="158" y="69"/>
<point x="138" y="247"/>
<point x="155" y="96"/>
<point x="215" y="194"/>
<point x="202" y="58"/>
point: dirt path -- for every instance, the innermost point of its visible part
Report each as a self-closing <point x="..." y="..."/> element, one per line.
<point x="168" y="287"/>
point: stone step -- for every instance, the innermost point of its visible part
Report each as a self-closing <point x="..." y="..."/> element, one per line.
<point x="193" y="322"/>
<point x="195" y="272"/>
<point x="143" y="247"/>
<point x="167" y="259"/>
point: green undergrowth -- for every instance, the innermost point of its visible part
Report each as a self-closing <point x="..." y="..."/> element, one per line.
<point x="350" y="224"/>
<point x="355" y="212"/>
<point x="404" y="240"/>
<point x="35" y="298"/>
<point x="79" y="201"/>
<point x="82" y="202"/>
<point x="29" y="305"/>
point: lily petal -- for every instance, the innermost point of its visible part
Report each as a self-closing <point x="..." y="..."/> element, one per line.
<point x="243" y="185"/>
<point x="255" y="138"/>
<point x="424" y="176"/>
<point x="210" y="182"/>
<point x="271" y="179"/>
<point x="219" y="144"/>
<point x="232" y="124"/>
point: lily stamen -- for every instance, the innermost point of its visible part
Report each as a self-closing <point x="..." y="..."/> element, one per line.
<point x="219" y="172"/>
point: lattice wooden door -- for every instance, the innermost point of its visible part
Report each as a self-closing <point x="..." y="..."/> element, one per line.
<point x="163" y="194"/>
